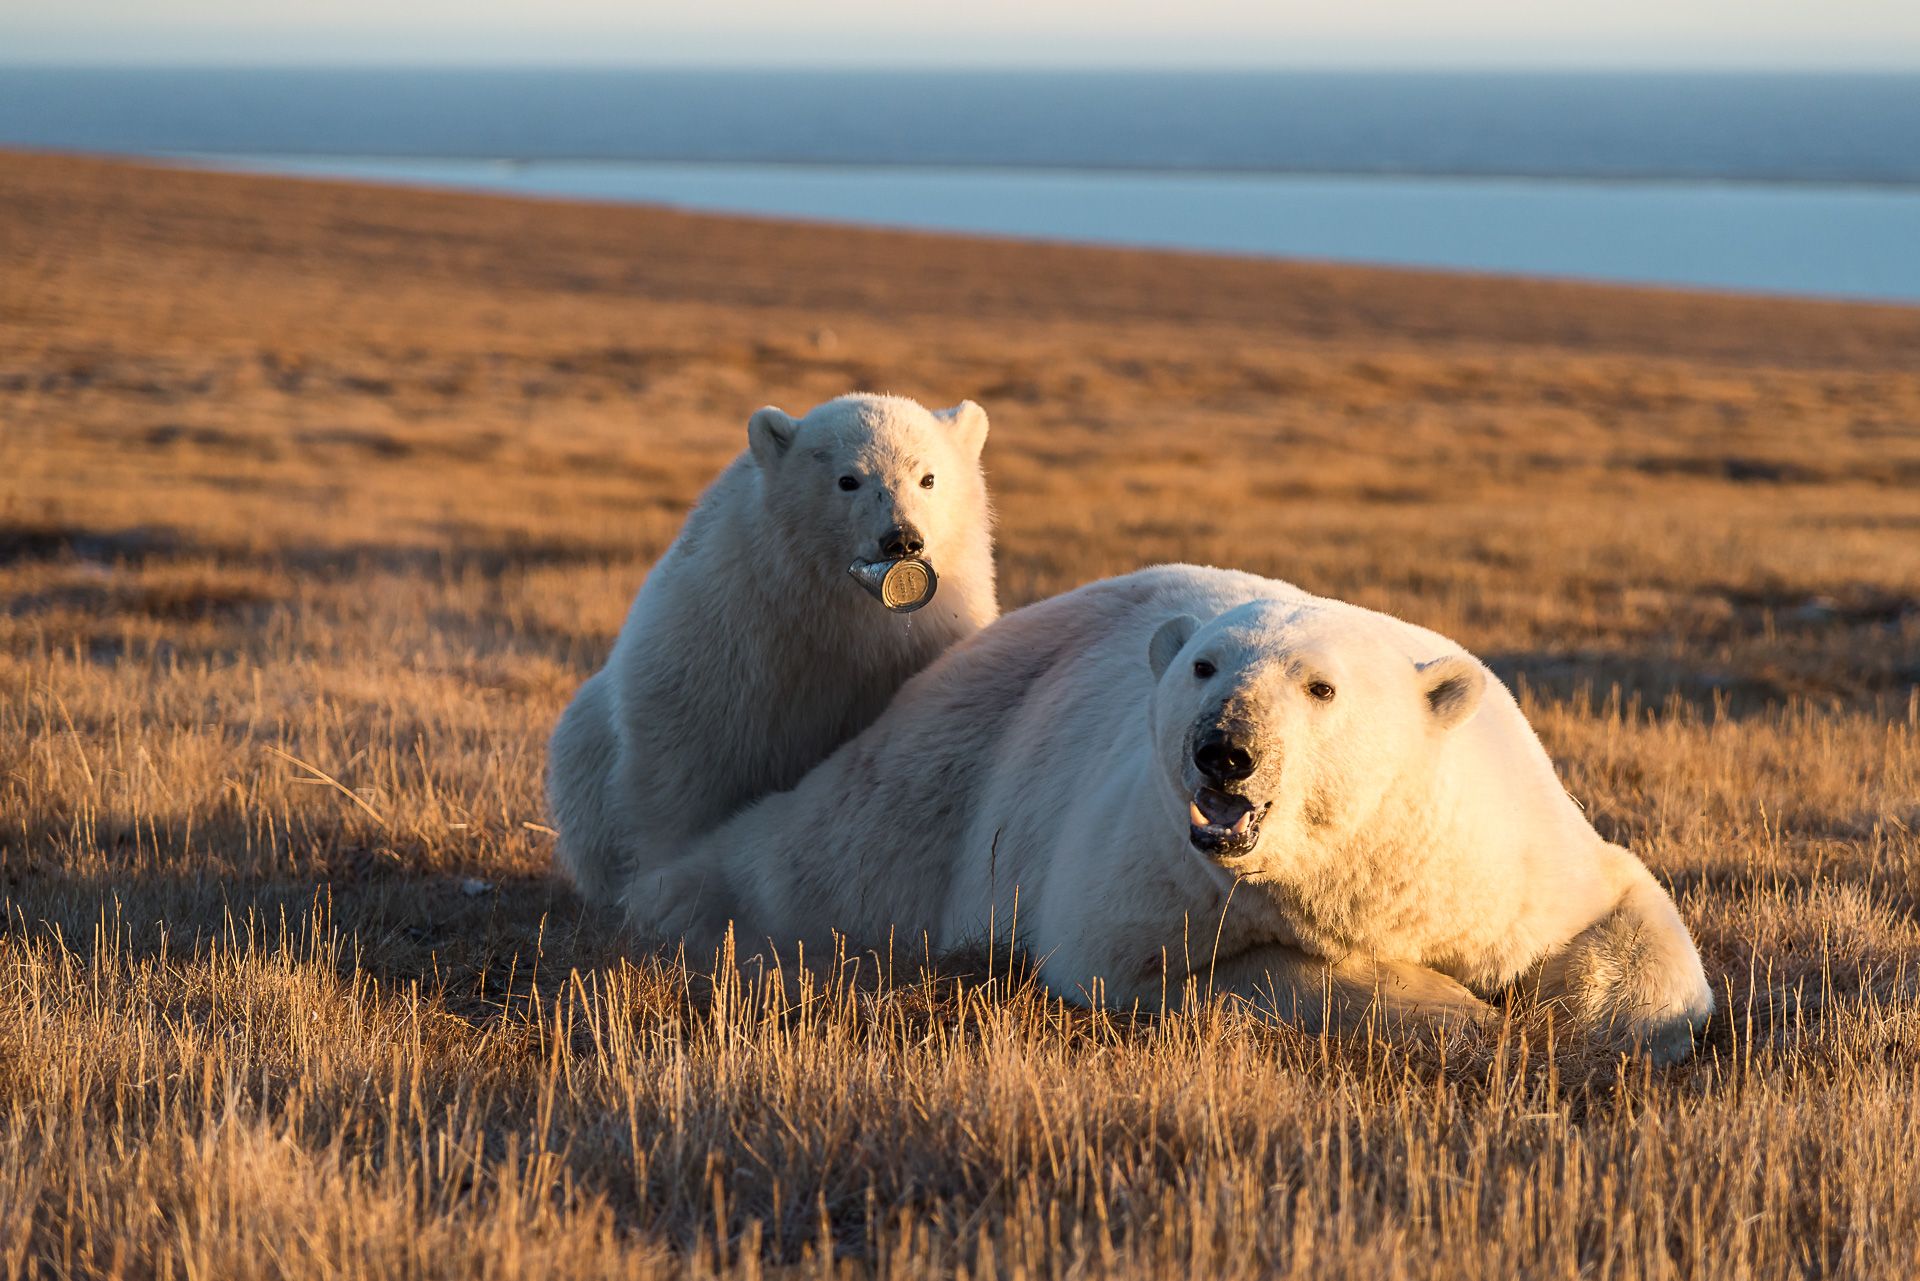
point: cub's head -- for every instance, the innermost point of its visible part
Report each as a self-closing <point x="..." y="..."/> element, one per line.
<point x="1278" y="723"/>
<point x="869" y="478"/>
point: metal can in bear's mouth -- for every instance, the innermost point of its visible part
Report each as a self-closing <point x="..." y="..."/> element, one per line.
<point x="902" y="585"/>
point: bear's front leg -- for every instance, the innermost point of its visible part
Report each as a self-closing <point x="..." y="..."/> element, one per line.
<point x="1313" y="993"/>
<point x="1635" y="973"/>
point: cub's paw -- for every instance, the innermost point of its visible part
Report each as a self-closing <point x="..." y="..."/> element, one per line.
<point x="679" y="905"/>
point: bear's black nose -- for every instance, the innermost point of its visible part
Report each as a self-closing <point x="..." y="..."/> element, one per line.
<point x="1224" y="757"/>
<point x="901" y="540"/>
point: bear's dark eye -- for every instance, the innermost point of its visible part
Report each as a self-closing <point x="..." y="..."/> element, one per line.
<point x="926" y="481"/>
<point x="1203" y="669"/>
<point x="849" y="482"/>
<point x="1320" y="691"/>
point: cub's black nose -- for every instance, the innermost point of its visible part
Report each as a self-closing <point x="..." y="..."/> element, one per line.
<point x="1224" y="757"/>
<point x="901" y="540"/>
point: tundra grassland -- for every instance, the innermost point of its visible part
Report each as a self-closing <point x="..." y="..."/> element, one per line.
<point x="317" y="502"/>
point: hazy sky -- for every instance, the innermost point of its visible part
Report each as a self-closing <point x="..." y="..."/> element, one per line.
<point x="1643" y="33"/>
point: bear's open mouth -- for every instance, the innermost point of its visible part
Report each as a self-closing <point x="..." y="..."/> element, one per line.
<point x="1222" y="823"/>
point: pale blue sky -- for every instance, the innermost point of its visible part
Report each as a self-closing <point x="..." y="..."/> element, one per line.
<point x="1474" y="33"/>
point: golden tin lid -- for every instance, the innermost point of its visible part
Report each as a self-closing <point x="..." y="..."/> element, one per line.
<point x="908" y="585"/>
<point x="901" y="585"/>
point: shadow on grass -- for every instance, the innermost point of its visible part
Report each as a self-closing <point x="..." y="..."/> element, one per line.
<point x="26" y="542"/>
<point x="480" y="942"/>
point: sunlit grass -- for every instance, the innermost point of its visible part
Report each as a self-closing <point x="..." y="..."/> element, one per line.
<point x="315" y="506"/>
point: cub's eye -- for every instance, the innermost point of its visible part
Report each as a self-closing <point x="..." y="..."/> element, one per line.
<point x="926" y="481"/>
<point x="1320" y="691"/>
<point x="849" y="482"/>
<point x="1203" y="669"/>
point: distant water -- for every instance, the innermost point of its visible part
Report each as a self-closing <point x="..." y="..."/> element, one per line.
<point x="1836" y="241"/>
<point x="1798" y="183"/>
<point x="1799" y="128"/>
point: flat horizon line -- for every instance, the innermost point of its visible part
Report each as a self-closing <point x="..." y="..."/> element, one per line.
<point x="904" y="68"/>
<point x="1647" y="178"/>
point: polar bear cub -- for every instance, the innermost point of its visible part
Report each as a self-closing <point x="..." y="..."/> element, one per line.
<point x="750" y="653"/>
<point x="1195" y="773"/>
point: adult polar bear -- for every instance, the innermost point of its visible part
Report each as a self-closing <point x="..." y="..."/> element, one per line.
<point x="749" y="653"/>
<point x="1197" y="772"/>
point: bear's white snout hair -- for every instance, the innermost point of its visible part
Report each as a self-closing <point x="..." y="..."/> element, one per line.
<point x="1265" y="712"/>
<point x="867" y="478"/>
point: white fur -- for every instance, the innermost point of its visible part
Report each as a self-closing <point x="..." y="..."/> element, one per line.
<point x="749" y="653"/>
<point x="1043" y="770"/>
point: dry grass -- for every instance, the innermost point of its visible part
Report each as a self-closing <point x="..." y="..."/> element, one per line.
<point x="298" y="479"/>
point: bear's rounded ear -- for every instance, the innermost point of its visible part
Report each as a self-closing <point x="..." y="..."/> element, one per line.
<point x="969" y="423"/>
<point x="1170" y="640"/>
<point x="1453" y="685"/>
<point x="770" y="435"/>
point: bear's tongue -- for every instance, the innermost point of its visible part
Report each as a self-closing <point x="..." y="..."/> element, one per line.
<point x="1220" y="812"/>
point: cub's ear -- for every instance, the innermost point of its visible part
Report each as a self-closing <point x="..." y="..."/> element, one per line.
<point x="1170" y="640"/>
<point x="1453" y="685"/>
<point x="969" y="423"/>
<point x="770" y="435"/>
